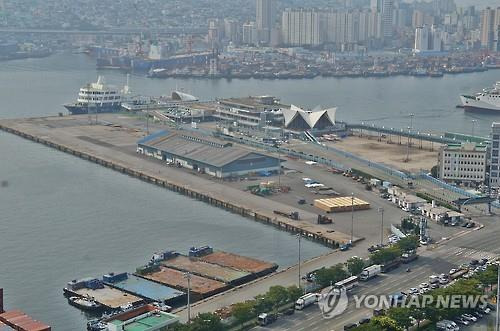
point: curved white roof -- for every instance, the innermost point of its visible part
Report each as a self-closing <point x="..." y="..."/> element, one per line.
<point x="311" y="117"/>
<point x="177" y="95"/>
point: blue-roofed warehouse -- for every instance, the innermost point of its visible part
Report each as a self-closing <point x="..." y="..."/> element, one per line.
<point x="205" y="154"/>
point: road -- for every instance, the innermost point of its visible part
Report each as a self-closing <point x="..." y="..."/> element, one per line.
<point x="475" y="245"/>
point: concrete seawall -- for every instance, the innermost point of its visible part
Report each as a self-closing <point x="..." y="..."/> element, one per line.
<point x="313" y="232"/>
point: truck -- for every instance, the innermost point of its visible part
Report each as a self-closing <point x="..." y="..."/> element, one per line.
<point x="408" y="257"/>
<point x="370" y="272"/>
<point x="266" y="319"/>
<point x="458" y="273"/>
<point x="306" y="300"/>
<point x="388" y="266"/>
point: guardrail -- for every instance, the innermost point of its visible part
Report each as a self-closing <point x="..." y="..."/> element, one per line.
<point x="452" y="188"/>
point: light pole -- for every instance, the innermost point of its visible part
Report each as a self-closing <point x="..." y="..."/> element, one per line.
<point x="473" y="126"/>
<point x="381" y="211"/>
<point x="497" y="326"/>
<point x="408" y="146"/>
<point x="352" y="217"/>
<point x="299" y="236"/>
<point x="187" y="275"/>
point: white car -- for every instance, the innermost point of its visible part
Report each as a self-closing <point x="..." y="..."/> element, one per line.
<point x="433" y="277"/>
<point x="413" y="290"/>
<point x="452" y="271"/>
<point x="424" y="285"/>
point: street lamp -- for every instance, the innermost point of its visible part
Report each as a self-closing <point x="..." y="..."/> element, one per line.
<point x="408" y="146"/>
<point x="497" y="326"/>
<point x="352" y="217"/>
<point x="299" y="237"/>
<point x="473" y="125"/>
<point x="381" y="211"/>
<point x="187" y="275"/>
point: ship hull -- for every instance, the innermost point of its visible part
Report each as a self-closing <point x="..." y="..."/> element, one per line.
<point x="472" y="105"/>
<point x="78" y="110"/>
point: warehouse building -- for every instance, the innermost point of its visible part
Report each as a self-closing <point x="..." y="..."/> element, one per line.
<point x="205" y="154"/>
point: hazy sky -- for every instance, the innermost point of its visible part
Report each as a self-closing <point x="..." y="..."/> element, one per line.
<point x="477" y="3"/>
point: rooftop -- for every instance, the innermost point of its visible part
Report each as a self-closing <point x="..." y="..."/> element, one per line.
<point x="466" y="147"/>
<point x="196" y="147"/>
<point x="143" y="318"/>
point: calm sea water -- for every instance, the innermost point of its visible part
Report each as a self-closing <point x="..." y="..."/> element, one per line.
<point x="62" y="218"/>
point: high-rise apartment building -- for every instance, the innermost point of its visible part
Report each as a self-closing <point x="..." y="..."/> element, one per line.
<point x="264" y="18"/>
<point x="490" y="26"/>
<point x="249" y="33"/>
<point x="301" y="27"/>
<point x="387" y="18"/>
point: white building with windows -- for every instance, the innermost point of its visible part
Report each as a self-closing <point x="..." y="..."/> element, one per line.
<point x="494" y="158"/>
<point x="462" y="162"/>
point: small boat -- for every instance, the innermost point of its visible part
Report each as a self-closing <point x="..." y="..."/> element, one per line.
<point x="85" y="303"/>
<point x="96" y="325"/>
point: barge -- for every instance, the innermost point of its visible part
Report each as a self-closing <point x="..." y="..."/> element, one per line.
<point x="143" y="288"/>
<point x="200" y="287"/>
<point x="257" y="267"/>
<point x="198" y="267"/>
<point x="109" y="298"/>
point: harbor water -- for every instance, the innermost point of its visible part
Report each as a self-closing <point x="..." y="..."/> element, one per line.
<point x="63" y="218"/>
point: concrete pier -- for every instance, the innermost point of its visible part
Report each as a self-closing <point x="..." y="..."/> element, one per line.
<point x="114" y="147"/>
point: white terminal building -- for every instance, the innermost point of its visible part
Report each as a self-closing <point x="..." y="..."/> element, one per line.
<point x="299" y="119"/>
<point x="463" y="162"/>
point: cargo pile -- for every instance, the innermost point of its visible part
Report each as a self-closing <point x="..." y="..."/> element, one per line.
<point x="341" y="204"/>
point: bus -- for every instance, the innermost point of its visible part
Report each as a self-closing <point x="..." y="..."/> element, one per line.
<point x="346" y="284"/>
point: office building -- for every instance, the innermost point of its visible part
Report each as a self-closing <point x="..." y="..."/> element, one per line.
<point x="253" y="111"/>
<point x="494" y="157"/>
<point x="464" y="162"/>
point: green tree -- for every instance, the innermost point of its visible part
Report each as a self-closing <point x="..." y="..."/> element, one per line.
<point x="262" y="304"/>
<point x="355" y="265"/>
<point x="385" y="323"/>
<point x="434" y="171"/>
<point x="327" y="276"/>
<point x="278" y="295"/>
<point x="401" y="316"/>
<point x="418" y="315"/>
<point x="206" y="322"/>
<point x="243" y="311"/>
<point x="294" y="292"/>
<point x="489" y="277"/>
<point x="369" y="327"/>
<point x="408" y="244"/>
<point x="385" y="255"/>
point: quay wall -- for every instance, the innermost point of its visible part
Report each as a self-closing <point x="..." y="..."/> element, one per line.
<point x="179" y="188"/>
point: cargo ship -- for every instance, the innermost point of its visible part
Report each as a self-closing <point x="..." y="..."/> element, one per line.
<point x="99" y="97"/>
<point x="488" y="100"/>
